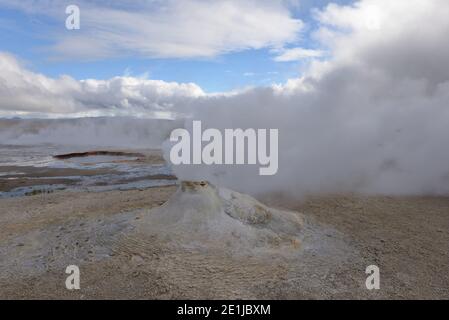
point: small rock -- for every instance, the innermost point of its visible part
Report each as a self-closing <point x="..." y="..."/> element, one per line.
<point x="135" y="274"/>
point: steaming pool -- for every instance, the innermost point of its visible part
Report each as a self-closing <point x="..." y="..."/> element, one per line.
<point x="31" y="170"/>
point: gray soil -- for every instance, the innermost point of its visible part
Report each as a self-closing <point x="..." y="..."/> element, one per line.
<point x="407" y="238"/>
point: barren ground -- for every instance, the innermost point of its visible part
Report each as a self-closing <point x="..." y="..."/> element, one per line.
<point x="408" y="238"/>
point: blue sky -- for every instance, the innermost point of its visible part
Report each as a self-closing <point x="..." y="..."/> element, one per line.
<point x="30" y="35"/>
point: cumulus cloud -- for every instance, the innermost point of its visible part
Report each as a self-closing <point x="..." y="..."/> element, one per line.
<point x="25" y="93"/>
<point x="405" y="39"/>
<point x="168" y="29"/>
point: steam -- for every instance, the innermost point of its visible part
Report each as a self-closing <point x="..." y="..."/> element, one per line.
<point x="373" y="118"/>
<point x="119" y="132"/>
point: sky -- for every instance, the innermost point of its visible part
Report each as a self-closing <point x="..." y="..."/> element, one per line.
<point x="219" y="45"/>
<point x="359" y="91"/>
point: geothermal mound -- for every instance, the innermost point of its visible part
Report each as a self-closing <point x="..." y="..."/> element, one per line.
<point x="201" y="215"/>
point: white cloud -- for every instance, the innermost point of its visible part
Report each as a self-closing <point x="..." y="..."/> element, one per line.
<point x="403" y="40"/>
<point x="295" y="54"/>
<point x="169" y="29"/>
<point x="23" y="92"/>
